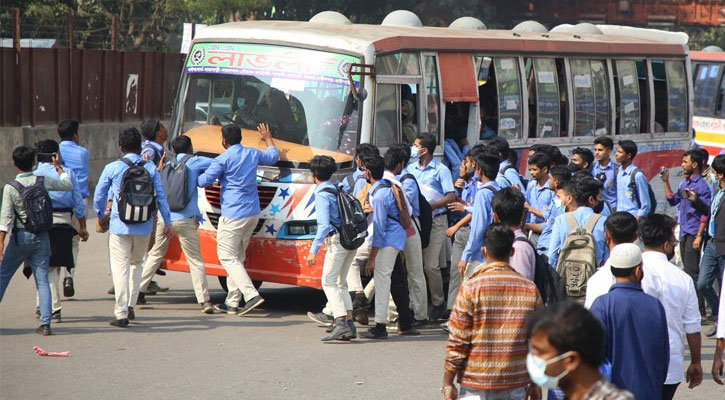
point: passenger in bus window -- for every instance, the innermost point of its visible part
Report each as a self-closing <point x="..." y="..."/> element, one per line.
<point x="487" y="133"/>
<point x="246" y="108"/>
<point x="407" y="114"/>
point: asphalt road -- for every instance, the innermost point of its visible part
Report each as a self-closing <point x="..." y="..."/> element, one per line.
<point x="173" y="351"/>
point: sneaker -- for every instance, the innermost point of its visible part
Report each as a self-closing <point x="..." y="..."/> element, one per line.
<point x="321" y="318"/>
<point x="376" y="332"/>
<point x="444" y="326"/>
<point x="160" y="272"/>
<point x="711" y="331"/>
<point x="112" y="290"/>
<point x="68" y="289"/>
<point x="154" y="287"/>
<point x="253" y="303"/>
<point x="437" y="312"/>
<point x="420" y="323"/>
<point x="351" y="323"/>
<point x="361" y="316"/>
<point x="141" y="298"/>
<point x="342" y="331"/>
<point x="360" y="302"/>
<point x="207" y="307"/>
<point x="131" y="314"/>
<point x="121" y="323"/>
<point x="55" y="316"/>
<point x="43" y="330"/>
<point x="224" y="309"/>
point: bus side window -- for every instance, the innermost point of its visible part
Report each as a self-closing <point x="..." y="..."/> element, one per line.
<point x="387" y="115"/>
<point x="707" y="77"/>
<point x="544" y="98"/>
<point x="720" y="105"/>
<point x="670" y="95"/>
<point x="591" y="97"/>
<point x="642" y="79"/>
<point x="510" y="109"/>
<point x="430" y="79"/>
<point x="627" y="91"/>
<point x="563" y="98"/>
<point x="488" y="109"/>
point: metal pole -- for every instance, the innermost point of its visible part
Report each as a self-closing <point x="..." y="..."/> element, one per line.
<point x="18" y="82"/>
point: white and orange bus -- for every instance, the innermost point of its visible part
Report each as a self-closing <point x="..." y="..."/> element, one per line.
<point x="326" y="85"/>
<point x="709" y="91"/>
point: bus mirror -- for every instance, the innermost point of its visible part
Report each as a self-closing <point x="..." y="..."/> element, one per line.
<point x="483" y="71"/>
<point x="362" y="94"/>
<point x="359" y="70"/>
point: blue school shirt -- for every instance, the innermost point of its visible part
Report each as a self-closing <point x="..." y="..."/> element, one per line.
<point x="358" y="179"/>
<point x="410" y="188"/>
<point x="481" y="219"/>
<point x="636" y="339"/>
<point x="236" y="170"/>
<point x="609" y="191"/>
<point x="509" y="177"/>
<point x="69" y="200"/>
<point x="435" y="175"/>
<point x="387" y="230"/>
<point x="195" y="166"/>
<point x="627" y="198"/>
<point x="153" y="151"/>
<point x="538" y="197"/>
<point x="554" y="211"/>
<point x="75" y="157"/>
<point x="109" y="184"/>
<point x="560" y="231"/>
<point x="327" y="212"/>
<point x="453" y="155"/>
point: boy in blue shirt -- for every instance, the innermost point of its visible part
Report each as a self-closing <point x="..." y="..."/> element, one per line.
<point x="184" y="224"/>
<point x="634" y="200"/>
<point x="236" y="170"/>
<point x="127" y="242"/>
<point x="155" y="135"/>
<point x="508" y="175"/>
<point x="559" y="175"/>
<point x="605" y="169"/>
<point x="538" y="195"/>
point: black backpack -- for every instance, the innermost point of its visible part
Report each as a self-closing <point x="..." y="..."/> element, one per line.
<point x="137" y="199"/>
<point x="426" y="213"/>
<point x="650" y="192"/>
<point x="523" y="180"/>
<point x="37" y="204"/>
<point x="353" y="227"/>
<point x="175" y="177"/>
<point x="551" y="286"/>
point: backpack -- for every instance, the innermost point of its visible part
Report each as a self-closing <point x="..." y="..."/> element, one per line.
<point x="175" y="177"/>
<point x="351" y="182"/>
<point x="136" y="199"/>
<point x="577" y="258"/>
<point x="353" y="227"/>
<point x="524" y="181"/>
<point x="425" y="217"/>
<point x="550" y="285"/>
<point x="405" y="220"/>
<point x="37" y="204"/>
<point x="650" y="192"/>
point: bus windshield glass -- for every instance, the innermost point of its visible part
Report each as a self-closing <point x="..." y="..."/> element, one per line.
<point x="302" y="94"/>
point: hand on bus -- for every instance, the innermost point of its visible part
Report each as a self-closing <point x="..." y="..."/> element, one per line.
<point x="310" y="259"/>
<point x="457" y="206"/>
<point x="264" y="132"/>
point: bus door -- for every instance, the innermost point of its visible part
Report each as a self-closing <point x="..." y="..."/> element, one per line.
<point x="500" y="97"/>
<point x="460" y="96"/>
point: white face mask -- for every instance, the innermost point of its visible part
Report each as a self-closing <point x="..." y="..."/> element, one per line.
<point x="537" y="370"/>
<point x="557" y="202"/>
<point x="241" y="101"/>
<point x="414" y="156"/>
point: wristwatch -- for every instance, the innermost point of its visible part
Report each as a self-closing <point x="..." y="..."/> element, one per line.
<point x="447" y="388"/>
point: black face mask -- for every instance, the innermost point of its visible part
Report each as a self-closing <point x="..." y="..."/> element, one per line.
<point x="599" y="207"/>
<point x="469" y="174"/>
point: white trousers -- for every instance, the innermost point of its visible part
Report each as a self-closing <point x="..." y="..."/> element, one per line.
<point x="55" y="288"/>
<point x="334" y="277"/>
<point x="431" y="259"/>
<point x="384" y="264"/>
<point x="232" y="239"/>
<point x="416" y="276"/>
<point x="459" y="243"/>
<point x="354" y="282"/>
<point x="126" y="253"/>
<point x="186" y="231"/>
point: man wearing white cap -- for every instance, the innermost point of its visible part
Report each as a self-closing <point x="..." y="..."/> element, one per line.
<point x="635" y="328"/>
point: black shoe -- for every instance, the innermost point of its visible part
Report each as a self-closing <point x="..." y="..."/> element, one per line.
<point x="154" y="287"/>
<point x="55" y="316"/>
<point x="112" y="290"/>
<point x="37" y="312"/>
<point x="419" y="323"/>
<point x="160" y="272"/>
<point x="141" y="298"/>
<point x="437" y="312"/>
<point x="407" y="331"/>
<point x="131" y="314"/>
<point x="207" y="307"/>
<point x="361" y="316"/>
<point x="341" y="331"/>
<point x="121" y="323"/>
<point x="224" y="309"/>
<point x="446" y="315"/>
<point x="376" y="332"/>
<point x="68" y="289"/>
<point x="321" y="318"/>
<point x="253" y="303"/>
<point x="360" y="302"/>
<point x="43" y="330"/>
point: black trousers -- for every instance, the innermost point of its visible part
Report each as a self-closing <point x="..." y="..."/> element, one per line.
<point x="399" y="292"/>
<point x="691" y="262"/>
<point x="668" y="391"/>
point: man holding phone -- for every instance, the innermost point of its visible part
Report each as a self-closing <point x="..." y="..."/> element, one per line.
<point x="692" y="199"/>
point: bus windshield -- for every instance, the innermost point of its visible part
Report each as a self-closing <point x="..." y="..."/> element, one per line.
<point x="302" y="94"/>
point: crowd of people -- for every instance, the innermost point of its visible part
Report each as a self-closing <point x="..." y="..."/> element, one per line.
<point x="562" y="281"/>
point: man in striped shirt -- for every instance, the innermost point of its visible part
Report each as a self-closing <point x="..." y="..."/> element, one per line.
<point x="487" y="340"/>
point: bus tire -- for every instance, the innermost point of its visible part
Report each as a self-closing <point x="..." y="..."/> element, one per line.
<point x="223" y="283"/>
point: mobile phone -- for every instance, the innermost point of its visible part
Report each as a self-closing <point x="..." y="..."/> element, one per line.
<point x="684" y="193"/>
<point x="662" y="170"/>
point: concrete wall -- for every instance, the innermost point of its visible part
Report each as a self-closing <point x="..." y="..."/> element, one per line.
<point x="101" y="140"/>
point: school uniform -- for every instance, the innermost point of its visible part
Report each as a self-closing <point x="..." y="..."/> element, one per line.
<point x="560" y="231"/>
<point x="468" y="195"/>
<point x="508" y="177"/>
<point x="75" y="157"/>
<point x="636" y="200"/>
<point x="482" y="218"/>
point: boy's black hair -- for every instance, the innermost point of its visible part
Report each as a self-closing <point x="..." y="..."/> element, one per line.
<point x="149" y="128"/>
<point x="697" y="156"/>
<point x="376" y="166"/>
<point x="67" y="129"/>
<point x="585" y="154"/>
<point x="501" y="144"/>
<point x="322" y="167"/>
<point x="508" y="204"/>
<point x="47" y="146"/>
<point x="622" y="272"/>
<point x="393" y="157"/>
<point x="560" y="173"/>
<point x="130" y="140"/>
<point x="621" y="227"/>
<point x="487" y="165"/>
<point x="404" y="148"/>
<point x="629" y="147"/>
<point x="365" y="150"/>
<point x="232" y="134"/>
<point x="181" y="144"/>
<point x="498" y="240"/>
<point x="718" y="164"/>
<point x="605" y="141"/>
<point x="540" y="159"/>
<point x="24" y="158"/>
<point x="656" y="229"/>
<point x="427" y="141"/>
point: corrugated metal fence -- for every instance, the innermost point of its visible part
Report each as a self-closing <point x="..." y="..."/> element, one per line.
<point x="50" y="85"/>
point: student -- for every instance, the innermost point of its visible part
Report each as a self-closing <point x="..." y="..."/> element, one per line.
<point x="538" y="195"/>
<point x="25" y="246"/>
<point x="352" y="183"/>
<point x="714" y="254"/>
<point x="605" y="169"/>
<point x="508" y="175"/>
<point x="566" y="348"/>
<point x="575" y="203"/>
<point x="128" y="242"/>
<point x="436" y="184"/>
<point x="487" y="169"/>
<point x="184" y="224"/>
<point x="559" y="176"/>
<point x="508" y="209"/>
<point x="337" y="258"/>
<point x="67" y="207"/>
<point x="155" y="135"/>
<point x="634" y="200"/>
<point x="595" y="199"/>
<point x="583" y="157"/>
<point x="236" y="170"/>
<point x="75" y="157"/>
<point x="387" y="241"/>
<point x="635" y="328"/>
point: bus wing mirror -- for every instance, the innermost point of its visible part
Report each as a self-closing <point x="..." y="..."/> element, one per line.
<point x="359" y="70"/>
<point x="483" y="70"/>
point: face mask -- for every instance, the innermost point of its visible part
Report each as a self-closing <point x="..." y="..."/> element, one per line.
<point x="414" y="156"/>
<point x="599" y="207"/>
<point x="537" y="370"/>
<point x="557" y="202"/>
<point x="469" y="174"/>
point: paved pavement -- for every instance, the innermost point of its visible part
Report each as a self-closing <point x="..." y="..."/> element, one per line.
<point x="173" y="351"/>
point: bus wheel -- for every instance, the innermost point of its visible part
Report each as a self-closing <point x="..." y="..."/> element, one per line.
<point x="223" y="283"/>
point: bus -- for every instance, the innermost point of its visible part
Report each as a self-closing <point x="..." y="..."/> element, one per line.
<point x="326" y="85"/>
<point x="708" y="119"/>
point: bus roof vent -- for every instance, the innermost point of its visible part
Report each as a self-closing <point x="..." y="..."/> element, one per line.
<point x="402" y="18"/>
<point x="563" y="28"/>
<point x="587" y="29"/>
<point x="530" y="27"/>
<point x="712" y="49"/>
<point x="468" y="23"/>
<point x="330" y="17"/>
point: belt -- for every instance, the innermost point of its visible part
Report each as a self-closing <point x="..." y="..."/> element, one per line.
<point x="62" y="210"/>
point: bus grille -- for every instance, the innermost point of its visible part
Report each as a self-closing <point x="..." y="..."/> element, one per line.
<point x="266" y="195"/>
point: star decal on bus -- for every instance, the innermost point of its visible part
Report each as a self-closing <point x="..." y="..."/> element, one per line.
<point x="284" y="193"/>
<point x="274" y="209"/>
<point x="270" y="229"/>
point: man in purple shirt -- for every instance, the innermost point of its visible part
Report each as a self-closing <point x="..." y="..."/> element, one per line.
<point x="692" y="199"/>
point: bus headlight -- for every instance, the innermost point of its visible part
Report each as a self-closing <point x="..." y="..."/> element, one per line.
<point x="298" y="230"/>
